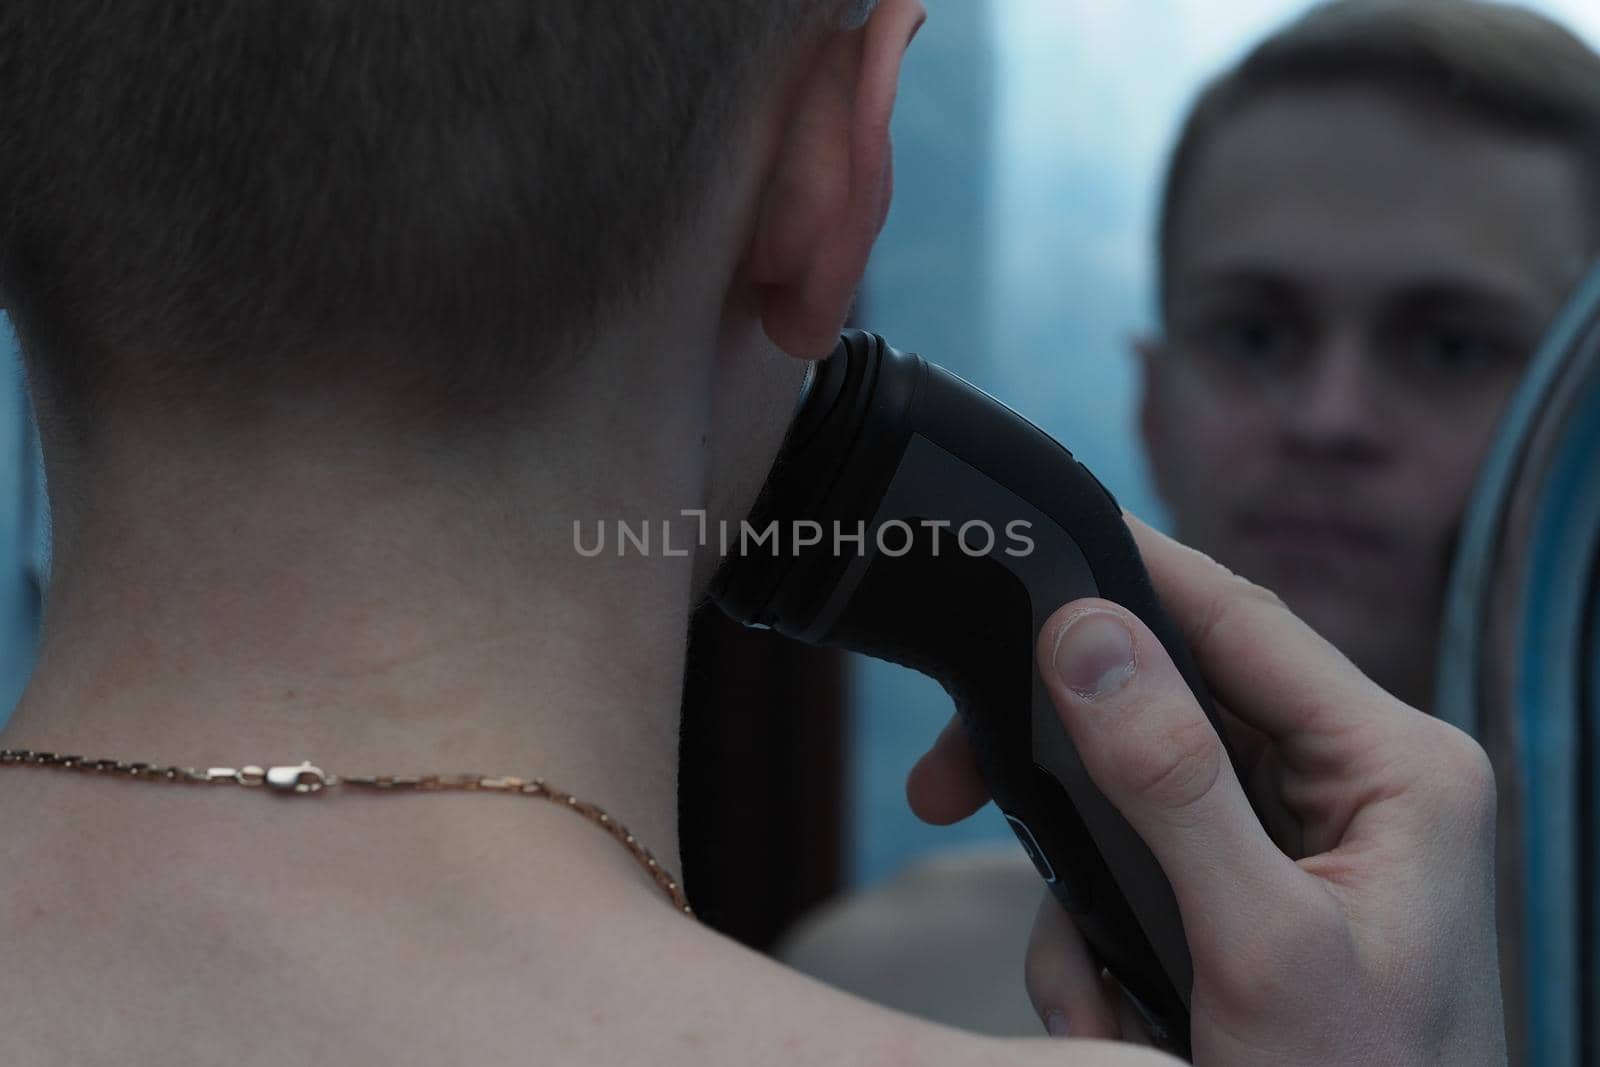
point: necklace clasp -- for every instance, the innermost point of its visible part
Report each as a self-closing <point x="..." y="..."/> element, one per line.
<point x="302" y="779"/>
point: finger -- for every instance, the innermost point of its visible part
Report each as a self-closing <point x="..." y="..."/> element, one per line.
<point x="1063" y="979"/>
<point x="1135" y="1031"/>
<point x="945" y="786"/>
<point x="1274" y="672"/>
<point x="1150" y="749"/>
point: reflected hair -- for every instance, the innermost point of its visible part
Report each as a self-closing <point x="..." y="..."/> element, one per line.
<point x="1490" y="63"/>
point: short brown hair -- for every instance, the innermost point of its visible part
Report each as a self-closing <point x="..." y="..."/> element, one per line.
<point x="1493" y="63"/>
<point x="204" y="196"/>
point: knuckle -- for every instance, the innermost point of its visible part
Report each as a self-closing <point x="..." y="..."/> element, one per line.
<point x="1463" y="768"/>
<point x="1039" y="970"/>
<point x="1049" y="954"/>
<point x="1233" y="595"/>
<point x="1175" y="765"/>
<point x="1245" y="590"/>
<point x="1205" y="559"/>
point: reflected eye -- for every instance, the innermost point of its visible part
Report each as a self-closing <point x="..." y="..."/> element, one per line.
<point x="1454" y="353"/>
<point x="1249" y="343"/>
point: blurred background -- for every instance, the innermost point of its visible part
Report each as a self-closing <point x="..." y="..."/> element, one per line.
<point x="1030" y="138"/>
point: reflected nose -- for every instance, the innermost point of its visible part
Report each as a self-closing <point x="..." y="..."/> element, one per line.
<point x="1336" y="411"/>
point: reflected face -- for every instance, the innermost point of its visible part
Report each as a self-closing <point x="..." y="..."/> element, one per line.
<point x="1354" y="288"/>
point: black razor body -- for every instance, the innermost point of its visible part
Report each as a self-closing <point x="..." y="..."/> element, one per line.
<point x="884" y="437"/>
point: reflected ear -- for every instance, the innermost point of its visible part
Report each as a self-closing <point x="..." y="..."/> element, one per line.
<point x="1146" y="348"/>
<point x="827" y="195"/>
<point x="1150" y="352"/>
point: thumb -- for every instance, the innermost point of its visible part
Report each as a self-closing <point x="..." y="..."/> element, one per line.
<point x="1151" y="750"/>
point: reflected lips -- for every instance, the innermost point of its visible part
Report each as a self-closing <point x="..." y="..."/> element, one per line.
<point x="1300" y="534"/>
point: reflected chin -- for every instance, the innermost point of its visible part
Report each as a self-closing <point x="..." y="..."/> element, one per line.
<point x="1378" y="609"/>
<point x="1386" y="633"/>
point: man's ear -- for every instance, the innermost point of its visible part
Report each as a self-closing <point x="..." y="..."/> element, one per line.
<point x="1147" y="351"/>
<point x="827" y="194"/>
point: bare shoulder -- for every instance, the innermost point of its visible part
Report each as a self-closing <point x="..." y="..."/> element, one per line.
<point x="110" y="967"/>
<point x="722" y="1008"/>
<point x="730" y="1006"/>
<point x="944" y="939"/>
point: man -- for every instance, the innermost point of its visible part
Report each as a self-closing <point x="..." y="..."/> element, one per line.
<point x="337" y="323"/>
<point x="1347" y="314"/>
<point x="1365" y="227"/>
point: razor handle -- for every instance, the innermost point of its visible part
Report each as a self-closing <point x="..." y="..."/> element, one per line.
<point x="911" y="517"/>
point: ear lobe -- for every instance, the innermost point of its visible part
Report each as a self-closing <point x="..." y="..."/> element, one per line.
<point x="828" y="193"/>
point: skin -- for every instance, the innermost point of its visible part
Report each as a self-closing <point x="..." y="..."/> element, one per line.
<point x="326" y="598"/>
<point x="1347" y="315"/>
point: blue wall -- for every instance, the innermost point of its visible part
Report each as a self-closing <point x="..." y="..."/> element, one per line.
<point x="23" y="519"/>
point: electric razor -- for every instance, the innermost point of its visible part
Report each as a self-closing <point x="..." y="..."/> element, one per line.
<point x="912" y="517"/>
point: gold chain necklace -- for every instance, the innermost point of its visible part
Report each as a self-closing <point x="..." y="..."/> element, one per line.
<point x="306" y="779"/>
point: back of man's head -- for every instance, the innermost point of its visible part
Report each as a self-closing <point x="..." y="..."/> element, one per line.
<point x="1491" y="63"/>
<point x="222" y="198"/>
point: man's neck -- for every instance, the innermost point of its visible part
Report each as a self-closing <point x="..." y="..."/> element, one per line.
<point x="391" y="619"/>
